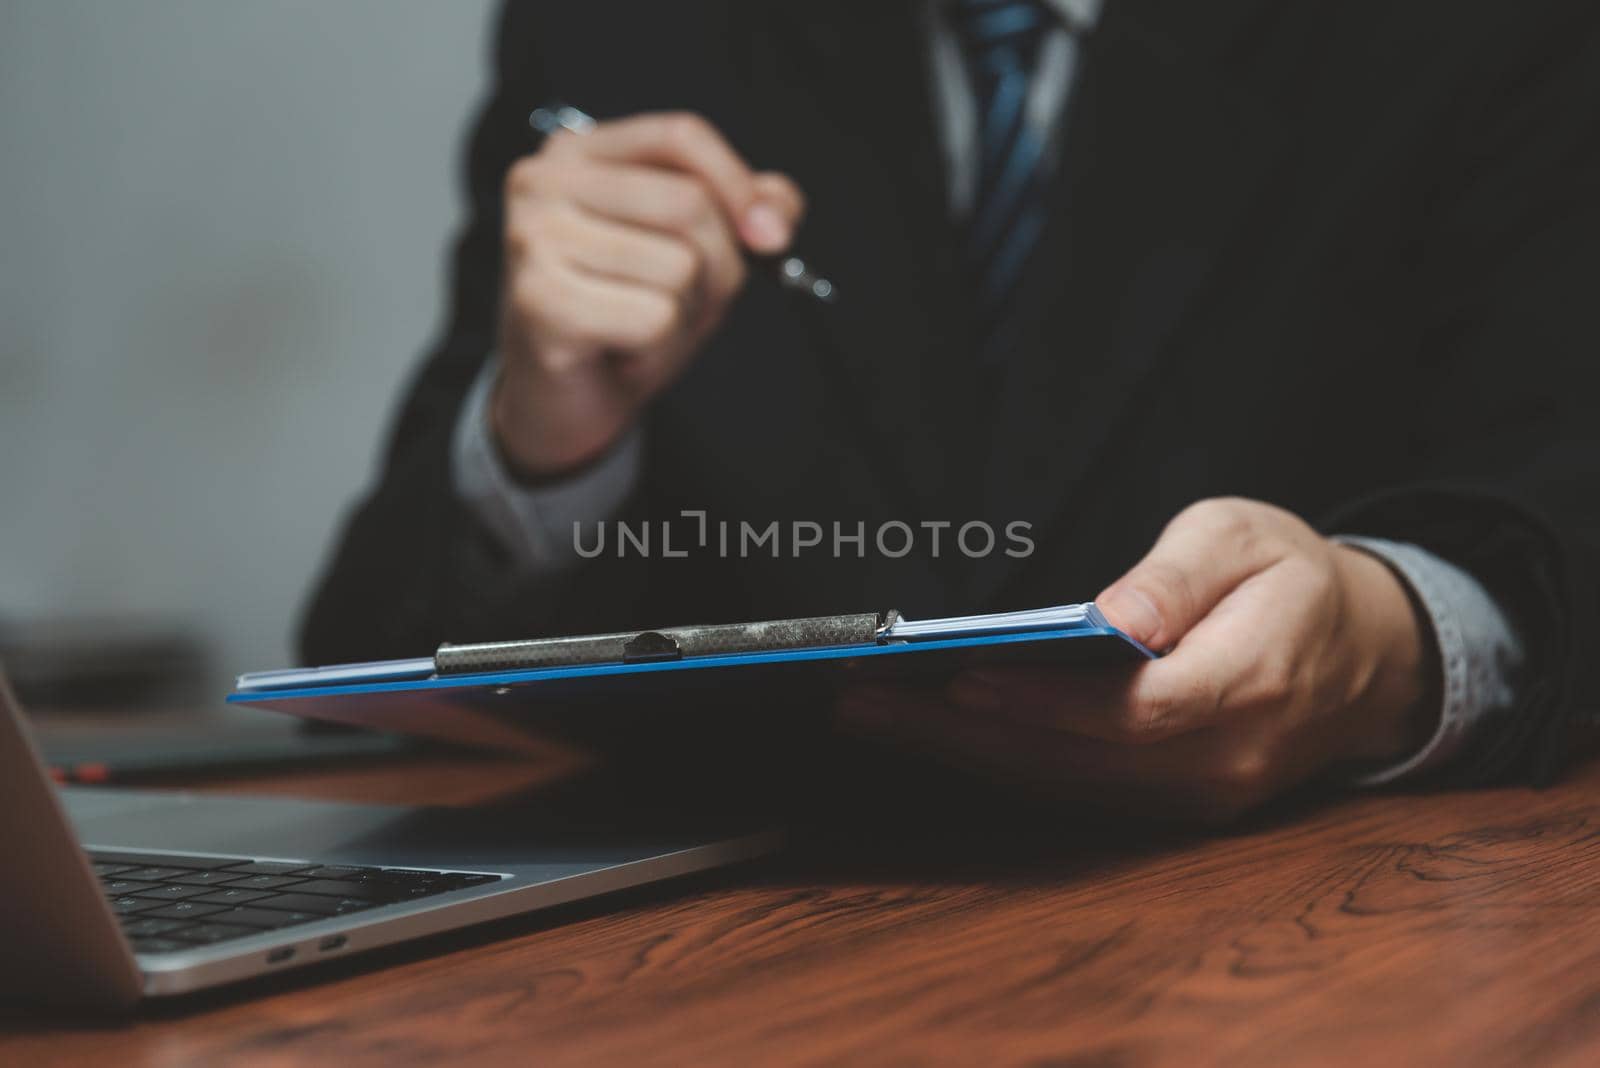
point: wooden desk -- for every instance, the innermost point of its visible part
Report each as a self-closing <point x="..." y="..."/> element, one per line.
<point x="1415" y="930"/>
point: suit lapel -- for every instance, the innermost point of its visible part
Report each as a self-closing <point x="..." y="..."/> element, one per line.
<point x="1161" y="157"/>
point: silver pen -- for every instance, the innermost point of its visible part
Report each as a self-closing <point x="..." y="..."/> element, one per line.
<point x="792" y="272"/>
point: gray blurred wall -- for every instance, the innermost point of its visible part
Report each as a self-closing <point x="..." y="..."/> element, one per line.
<point x="222" y="228"/>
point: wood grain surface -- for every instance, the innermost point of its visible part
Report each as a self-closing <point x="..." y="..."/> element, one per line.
<point x="1443" y="929"/>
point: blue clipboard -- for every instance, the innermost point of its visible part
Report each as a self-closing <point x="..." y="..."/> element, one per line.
<point x="454" y="697"/>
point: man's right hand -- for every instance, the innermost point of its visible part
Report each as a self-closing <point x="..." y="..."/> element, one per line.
<point x="623" y="250"/>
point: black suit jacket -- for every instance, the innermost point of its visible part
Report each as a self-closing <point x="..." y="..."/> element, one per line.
<point x="1336" y="256"/>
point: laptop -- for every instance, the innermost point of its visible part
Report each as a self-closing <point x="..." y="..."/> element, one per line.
<point x="111" y="895"/>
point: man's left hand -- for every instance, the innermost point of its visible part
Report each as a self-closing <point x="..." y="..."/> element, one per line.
<point x="1288" y="655"/>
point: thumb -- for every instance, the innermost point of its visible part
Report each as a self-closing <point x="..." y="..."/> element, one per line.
<point x="1203" y="555"/>
<point x="776" y="208"/>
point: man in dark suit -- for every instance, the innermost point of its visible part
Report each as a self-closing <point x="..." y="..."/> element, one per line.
<point x="1295" y="292"/>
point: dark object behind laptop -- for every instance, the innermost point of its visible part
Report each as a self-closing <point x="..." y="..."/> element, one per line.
<point x="73" y="663"/>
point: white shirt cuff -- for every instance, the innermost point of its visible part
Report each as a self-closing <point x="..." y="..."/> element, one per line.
<point x="536" y="526"/>
<point x="1479" y="651"/>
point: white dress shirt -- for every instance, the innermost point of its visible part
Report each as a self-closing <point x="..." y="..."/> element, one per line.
<point x="1479" y="651"/>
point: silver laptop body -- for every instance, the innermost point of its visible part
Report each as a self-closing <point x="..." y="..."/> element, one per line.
<point x="419" y="871"/>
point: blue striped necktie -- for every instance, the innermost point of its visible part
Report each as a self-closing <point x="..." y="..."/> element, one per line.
<point x="1000" y="40"/>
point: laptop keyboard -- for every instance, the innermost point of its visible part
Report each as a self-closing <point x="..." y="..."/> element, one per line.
<point x="169" y="902"/>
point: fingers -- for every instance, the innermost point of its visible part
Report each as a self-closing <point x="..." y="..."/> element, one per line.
<point x="1097" y="705"/>
<point x="1163" y="699"/>
<point x="1208" y="776"/>
<point x="776" y="214"/>
<point x="1018" y="752"/>
<point x="671" y="204"/>
<point x="599" y="246"/>
<point x="1206" y="551"/>
<point x="623" y="252"/>
<point x="578" y="311"/>
<point x="1249" y="599"/>
<point x="672" y="175"/>
<point x="1258" y="653"/>
<point x="763" y="215"/>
